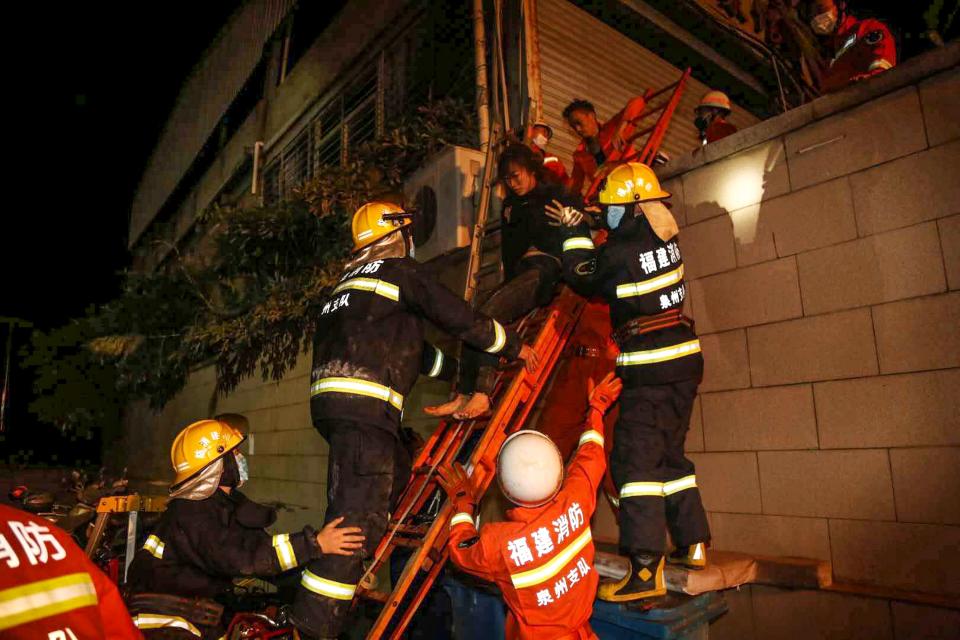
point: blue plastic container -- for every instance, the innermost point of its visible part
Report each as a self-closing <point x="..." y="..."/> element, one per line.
<point x="688" y="620"/>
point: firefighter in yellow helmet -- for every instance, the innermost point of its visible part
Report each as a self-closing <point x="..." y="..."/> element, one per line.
<point x="639" y="272"/>
<point x="368" y="351"/>
<point x="212" y="533"/>
<point x="711" y="117"/>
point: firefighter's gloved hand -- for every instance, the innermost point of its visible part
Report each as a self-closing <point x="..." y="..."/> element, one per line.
<point x="561" y="216"/>
<point x="602" y="396"/>
<point x="343" y="541"/>
<point x="454" y="480"/>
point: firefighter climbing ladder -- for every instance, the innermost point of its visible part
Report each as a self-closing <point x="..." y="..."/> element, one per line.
<point x="475" y="443"/>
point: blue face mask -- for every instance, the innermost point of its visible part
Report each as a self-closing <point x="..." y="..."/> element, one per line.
<point x="243" y="468"/>
<point x="615" y="215"/>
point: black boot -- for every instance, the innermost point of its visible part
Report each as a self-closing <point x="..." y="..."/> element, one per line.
<point x="693" y="556"/>
<point x="644" y="580"/>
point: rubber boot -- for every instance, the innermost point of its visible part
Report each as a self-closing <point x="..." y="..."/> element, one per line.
<point x="692" y="556"/>
<point x="644" y="580"/>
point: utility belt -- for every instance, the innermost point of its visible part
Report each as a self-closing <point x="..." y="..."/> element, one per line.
<point x="164" y="611"/>
<point x="648" y="324"/>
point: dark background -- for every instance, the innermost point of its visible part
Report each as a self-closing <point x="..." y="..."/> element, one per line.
<point x="89" y="88"/>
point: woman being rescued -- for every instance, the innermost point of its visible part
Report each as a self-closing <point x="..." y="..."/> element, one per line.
<point x="531" y="249"/>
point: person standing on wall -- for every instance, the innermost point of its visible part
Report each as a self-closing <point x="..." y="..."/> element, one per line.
<point x="639" y="271"/>
<point x="554" y="172"/>
<point x="367" y="353"/>
<point x="859" y="49"/>
<point x="711" y="117"/>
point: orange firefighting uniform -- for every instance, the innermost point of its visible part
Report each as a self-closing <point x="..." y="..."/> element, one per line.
<point x="584" y="162"/>
<point x="49" y="589"/>
<point x="542" y="557"/>
<point x="862" y="48"/>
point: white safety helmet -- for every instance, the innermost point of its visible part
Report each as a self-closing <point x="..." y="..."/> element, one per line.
<point x="529" y="468"/>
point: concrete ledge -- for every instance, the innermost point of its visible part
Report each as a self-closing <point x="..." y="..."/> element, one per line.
<point x="910" y="72"/>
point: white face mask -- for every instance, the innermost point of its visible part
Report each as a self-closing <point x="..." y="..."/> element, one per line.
<point x="244" y="469"/>
<point x="824" y="23"/>
<point x="541" y="140"/>
<point x="411" y="249"/>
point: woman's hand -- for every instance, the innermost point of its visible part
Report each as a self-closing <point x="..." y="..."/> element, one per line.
<point x="340" y="542"/>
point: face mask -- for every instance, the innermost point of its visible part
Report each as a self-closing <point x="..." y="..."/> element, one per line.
<point x="243" y="468"/>
<point x="701" y="123"/>
<point x="540" y="140"/>
<point x="411" y="249"/>
<point x="823" y="24"/>
<point x="615" y="215"/>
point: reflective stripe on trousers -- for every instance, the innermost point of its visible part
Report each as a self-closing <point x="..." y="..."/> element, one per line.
<point x="358" y="387"/>
<point x="660" y="489"/>
<point x="158" y="621"/>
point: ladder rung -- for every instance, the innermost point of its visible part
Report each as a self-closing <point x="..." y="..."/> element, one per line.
<point x="410" y="543"/>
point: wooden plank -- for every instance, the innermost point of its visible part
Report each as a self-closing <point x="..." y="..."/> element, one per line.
<point x="726" y="569"/>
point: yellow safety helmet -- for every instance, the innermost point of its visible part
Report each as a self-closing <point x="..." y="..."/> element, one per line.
<point x="376" y="219"/>
<point x="631" y="182"/>
<point x="202" y="443"/>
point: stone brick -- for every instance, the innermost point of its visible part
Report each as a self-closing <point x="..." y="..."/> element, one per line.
<point x="728" y="481"/>
<point x="759" y="173"/>
<point x="819" y="615"/>
<point x="245" y="400"/>
<point x="915" y="557"/>
<point x="835" y="484"/>
<point x="752" y="419"/>
<point x="725" y="361"/>
<point x="737" y="622"/>
<point x="917" y="188"/>
<point x="838" y="345"/>
<point x="771" y="535"/>
<point x="950" y="244"/>
<point x="694" y="440"/>
<point x="889" y="411"/>
<point x="917" y="334"/>
<point x="882" y="129"/>
<point x="288" y="467"/>
<point x="811" y="218"/>
<point x="759" y="132"/>
<point x="925" y="482"/>
<point x="293" y="416"/>
<point x="753" y="234"/>
<point x="293" y="390"/>
<point x="707" y="247"/>
<point x="890" y="266"/>
<point x="940" y="102"/>
<point x="754" y="295"/>
<point x="917" y="622"/>
<point x="291" y="442"/>
<point x="675" y="188"/>
<point x="262" y="420"/>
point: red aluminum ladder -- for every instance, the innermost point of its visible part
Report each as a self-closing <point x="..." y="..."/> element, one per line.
<point x="476" y="444"/>
<point x="654" y="132"/>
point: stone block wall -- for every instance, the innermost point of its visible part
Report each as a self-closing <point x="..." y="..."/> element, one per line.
<point x="822" y="256"/>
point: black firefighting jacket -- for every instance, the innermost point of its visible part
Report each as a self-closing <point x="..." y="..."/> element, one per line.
<point x="200" y="545"/>
<point x="526" y="226"/>
<point x="639" y="276"/>
<point x="368" y="349"/>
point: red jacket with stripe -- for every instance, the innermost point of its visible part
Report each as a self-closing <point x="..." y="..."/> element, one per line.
<point x="585" y="163"/>
<point x="49" y="589"/>
<point x="542" y="558"/>
<point x="862" y="48"/>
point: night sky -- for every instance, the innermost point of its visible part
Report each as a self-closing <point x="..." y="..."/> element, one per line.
<point x="88" y="88"/>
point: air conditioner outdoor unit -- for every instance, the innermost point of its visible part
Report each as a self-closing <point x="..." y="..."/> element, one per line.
<point x="443" y="192"/>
